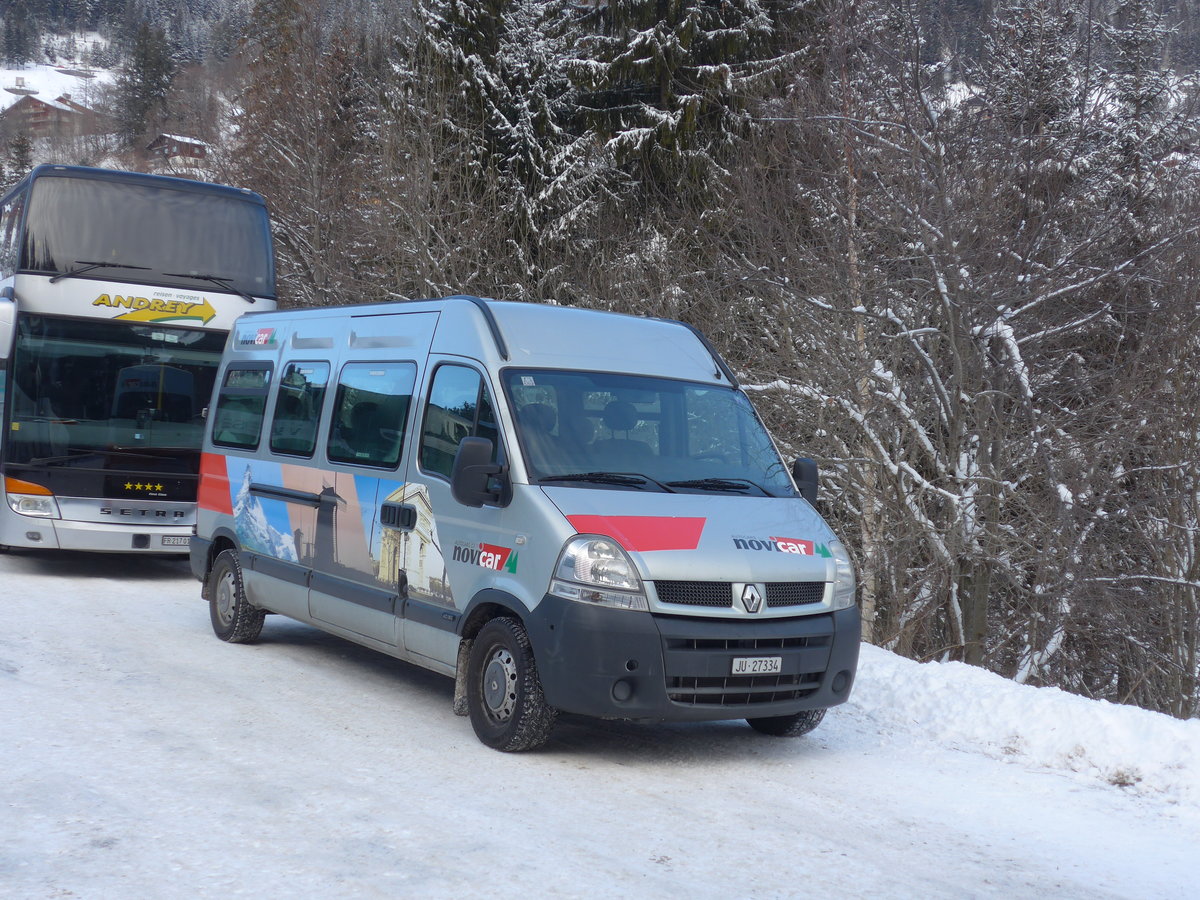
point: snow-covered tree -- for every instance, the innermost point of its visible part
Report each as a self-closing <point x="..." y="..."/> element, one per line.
<point x="938" y="279"/>
<point x="491" y="74"/>
<point x="669" y="85"/>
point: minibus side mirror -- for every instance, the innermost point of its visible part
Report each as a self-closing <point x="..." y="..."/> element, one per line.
<point x="472" y="473"/>
<point x="804" y="471"/>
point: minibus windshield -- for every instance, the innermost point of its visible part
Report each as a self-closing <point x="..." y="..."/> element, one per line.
<point x="601" y="429"/>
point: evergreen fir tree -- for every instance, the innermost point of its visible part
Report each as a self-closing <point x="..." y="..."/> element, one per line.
<point x="1030" y="65"/>
<point x="496" y="67"/>
<point x="20" y="156"/>
<point x="22" y="33"/>
<point x="143" y="82"/>
<point x="670" y="85"/>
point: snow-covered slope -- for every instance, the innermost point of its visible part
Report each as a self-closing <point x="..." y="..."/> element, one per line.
<point x="49" y="83"/>
<point x="143" y="758"/>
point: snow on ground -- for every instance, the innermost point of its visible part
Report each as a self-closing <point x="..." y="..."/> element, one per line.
<point x="143" y="758"/>
<point x="50" y="82"/>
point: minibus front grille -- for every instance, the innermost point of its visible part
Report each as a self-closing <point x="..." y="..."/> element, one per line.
<point x="695" y="593"/>
<point x="744" y="644"/>
<point x="794" y="593"/>
<point x="719" y="594"/>
<point x="700" y="654"/>
<point x="741" y="690"/>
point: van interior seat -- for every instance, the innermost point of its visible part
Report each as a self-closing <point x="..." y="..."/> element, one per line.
<point x="537" y="421"/>
<point x="621" y="415"/>
<point x="237" y="419"/>
<point x="293" y="431"/>
<point x="369" y="435"/>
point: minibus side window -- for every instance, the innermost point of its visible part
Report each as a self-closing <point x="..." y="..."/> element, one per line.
<point x="369" y="413"/>
<point x="298" y="408"/>
<point x="459" y="406"/>
<point x="240" y="405"/>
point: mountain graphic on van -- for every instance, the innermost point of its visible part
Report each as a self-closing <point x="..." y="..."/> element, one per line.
<point x="252" y="518"/>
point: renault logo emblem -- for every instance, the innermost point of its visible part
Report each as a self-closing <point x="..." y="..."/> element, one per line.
<point x="751" y="598"/>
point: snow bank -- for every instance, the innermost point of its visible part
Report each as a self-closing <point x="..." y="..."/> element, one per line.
<point x="969" y="709"/>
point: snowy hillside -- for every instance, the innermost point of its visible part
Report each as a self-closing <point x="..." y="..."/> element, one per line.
<point x="50" y="82"/>
<point x="144" y="758"/>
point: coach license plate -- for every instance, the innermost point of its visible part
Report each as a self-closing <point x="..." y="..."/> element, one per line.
<point x="176" y="540"/>
<point x="758" y="665"/>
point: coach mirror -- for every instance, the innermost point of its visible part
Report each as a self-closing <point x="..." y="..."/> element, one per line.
<point x="8" y="315"/>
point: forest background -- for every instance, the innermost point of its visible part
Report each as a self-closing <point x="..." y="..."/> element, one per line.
<point x="950" y="245"/>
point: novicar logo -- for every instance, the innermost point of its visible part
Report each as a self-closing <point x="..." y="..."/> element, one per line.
<point x="256" y="337"/>
<point x="487" y="556"/>
<point x="775" y="544"/>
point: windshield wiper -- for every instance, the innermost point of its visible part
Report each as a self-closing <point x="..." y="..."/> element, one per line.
<point x="722" y="484"/>
<point x="630" y="479"/>
<point x="85" y="265"/>
<point x="219" y="280"/>
<point x="66" y="457"/>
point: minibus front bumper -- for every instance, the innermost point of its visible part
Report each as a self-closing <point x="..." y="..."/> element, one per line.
<point x="620" y="664"/>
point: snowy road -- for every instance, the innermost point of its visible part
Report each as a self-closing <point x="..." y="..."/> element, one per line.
<point x="143" y="758"/>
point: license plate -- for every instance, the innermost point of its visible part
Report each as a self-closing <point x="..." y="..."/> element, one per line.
<point x="176" y="540"/>
<point x="757" y="665"/>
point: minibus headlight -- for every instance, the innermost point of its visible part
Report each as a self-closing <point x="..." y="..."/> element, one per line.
<point x="29" y="499"/>
<point x="843" y="578"/>
<point x="597" y="570"/>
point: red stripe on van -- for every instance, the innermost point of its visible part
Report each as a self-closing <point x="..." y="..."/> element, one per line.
<point x="214" y="484"/>
<point x="644" y="532"/>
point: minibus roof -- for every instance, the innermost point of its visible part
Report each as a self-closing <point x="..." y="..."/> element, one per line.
<point x="529" y="335"/>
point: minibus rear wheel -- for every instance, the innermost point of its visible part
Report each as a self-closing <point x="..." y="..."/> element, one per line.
<point x="504" y="694"/>
<point x="800" y="723"/>
<point x="234" y="618"/>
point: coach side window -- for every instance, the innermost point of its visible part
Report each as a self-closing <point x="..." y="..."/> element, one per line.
<point x="369" y="413"/>
<point x="10" y="232"/>
<point x="240" y="405"/>
<point x="298" y="408"/>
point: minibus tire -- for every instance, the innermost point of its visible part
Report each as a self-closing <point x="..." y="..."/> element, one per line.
<point x="234" y="618"/>
<point x="795" y="725"/>
<point x="512" y="719"/>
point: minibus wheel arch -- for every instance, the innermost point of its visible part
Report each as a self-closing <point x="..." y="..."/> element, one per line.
<point x="488" y="604"/>
<point x="222" y="540"/>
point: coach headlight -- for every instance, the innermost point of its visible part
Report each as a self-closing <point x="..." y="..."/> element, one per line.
<point x="29" y="499"/>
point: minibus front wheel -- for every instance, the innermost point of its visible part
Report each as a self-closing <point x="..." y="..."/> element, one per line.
<point x="234" y="618"/>
<point x="795" y="725"/>
<point x="504" y="694"/>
